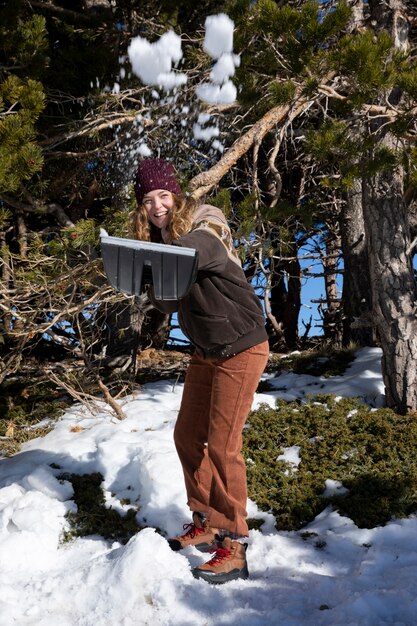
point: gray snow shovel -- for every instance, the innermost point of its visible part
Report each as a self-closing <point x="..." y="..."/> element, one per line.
<point x="130" y="264"/>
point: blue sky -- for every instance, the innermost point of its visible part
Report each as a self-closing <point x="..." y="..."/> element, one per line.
<point x="312" y="289"/>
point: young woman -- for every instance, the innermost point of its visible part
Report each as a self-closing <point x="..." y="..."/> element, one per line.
<point x="223" y="318"/>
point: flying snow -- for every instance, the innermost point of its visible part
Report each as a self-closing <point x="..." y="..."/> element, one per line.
<point x="219" y="35"/>
<point x="217" y="145"/>
<point x="218" y="43"/>
<point x="144" y="150"/>
<point x="155" y="65"/>
<point x="205" y="133"/>
<point x="214" y="94"/>
<point x="153" y="62"/>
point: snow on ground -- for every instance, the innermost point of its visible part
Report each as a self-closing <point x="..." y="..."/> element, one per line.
<point x="340" y="575"/>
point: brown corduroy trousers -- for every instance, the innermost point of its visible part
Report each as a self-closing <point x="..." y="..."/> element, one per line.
<point x="218" y="395"/>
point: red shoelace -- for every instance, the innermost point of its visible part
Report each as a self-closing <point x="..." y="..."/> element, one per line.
<point x="219" y="555"/>
<point x="191" y="530"/>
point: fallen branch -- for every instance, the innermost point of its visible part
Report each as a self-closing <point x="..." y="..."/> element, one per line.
<point x="87" y="399"/>
<point x="109" y="399"/>
<point x="81" y="397"/>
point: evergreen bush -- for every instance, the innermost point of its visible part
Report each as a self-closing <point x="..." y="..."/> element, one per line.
<point x="371" y="452"/>
<point x="92" y="516"/>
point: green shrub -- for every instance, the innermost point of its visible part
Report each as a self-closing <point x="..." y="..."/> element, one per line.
<point x="92" y="516"/>
<point x="372" y="452"/>
<point x="26" y="403"/>
<point x="325" y="361"/>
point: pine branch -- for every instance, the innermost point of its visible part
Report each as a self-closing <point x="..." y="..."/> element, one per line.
<point x="52" y="8"/>
<point x="387" y="111"/>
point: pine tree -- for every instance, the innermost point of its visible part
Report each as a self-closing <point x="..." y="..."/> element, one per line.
<point x="351" y="66"/>
<point x="22" y="100"/>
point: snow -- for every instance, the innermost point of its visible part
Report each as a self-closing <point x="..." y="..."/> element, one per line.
<point x="333" y="487"/>
<point x="331" y="573"/>
<point x="224" y="68"/>
<point x="216" y="94"/>
<point x="217" y="145"/>
<point x="218" y="43"/>
<point x="144" y="150"/>
<point x="203" y="118"/>
<point x="152" y="62"/>
<point x="218" y="38"/>
<point x="206" y="133"/>
<point x="362" y="379"/>
<point x="156" y="64"/>
<point x="291" y="456"/>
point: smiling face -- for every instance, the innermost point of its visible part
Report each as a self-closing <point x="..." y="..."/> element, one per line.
<point x="159" y="204"/>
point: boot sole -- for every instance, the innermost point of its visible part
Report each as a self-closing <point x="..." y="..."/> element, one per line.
<point x="206" y="547"/>
<point x="220" y="579"/>
<point x="176" y="545"/>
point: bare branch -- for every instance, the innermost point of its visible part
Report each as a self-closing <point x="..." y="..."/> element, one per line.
<point x="52" y="8"/>
<point x="79" y="155"/>
<point x="277" y="184"/>
<point x="79" y="396"/>
<point x="93" y="127"/>
<point x="202" y="183"/>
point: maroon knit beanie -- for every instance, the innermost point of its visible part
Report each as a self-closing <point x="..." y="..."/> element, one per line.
<point x="155" y="174"/>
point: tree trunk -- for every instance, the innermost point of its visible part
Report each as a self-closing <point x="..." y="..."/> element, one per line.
<point x="285" y="301"/>
<point x="5" y="278"/>
<point x="292" y="310"/>
<point x="332" y="314"/>
<point x="393" y="285"/>
<point x="394" y="292"/>
<point x="356" y="294"/>
<point x="129" y="329"/>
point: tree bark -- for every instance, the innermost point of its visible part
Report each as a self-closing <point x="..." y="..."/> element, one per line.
<point x="293" y="303"/>
<point x="285" y="303"/>
<point x="332" y="314"/>
<point x="393" y="285"/>
<point x="356" y="294"/>
<point x="357" y="16"/>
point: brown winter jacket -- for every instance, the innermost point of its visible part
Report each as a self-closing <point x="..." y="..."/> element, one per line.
<point x="221" y="314"/>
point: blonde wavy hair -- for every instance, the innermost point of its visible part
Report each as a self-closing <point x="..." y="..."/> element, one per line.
<point x="180" y="224"/>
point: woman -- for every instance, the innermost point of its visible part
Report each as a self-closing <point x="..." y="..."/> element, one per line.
<point x="223" y="318"/>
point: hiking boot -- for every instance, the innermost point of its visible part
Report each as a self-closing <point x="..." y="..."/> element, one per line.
<point x="198" y="534"/>
<point x="228" y="563"/>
